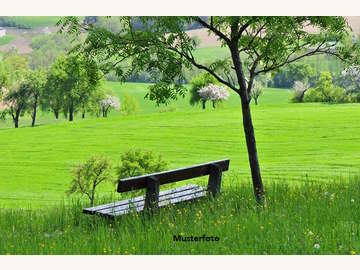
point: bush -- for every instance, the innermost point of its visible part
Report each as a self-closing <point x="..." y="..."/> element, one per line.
<point x="89" y="175"/>
<point x="136" y="162"/>
<point x="312" y="95"/>
<point x="129" y="105"/>
<point x="326" y="91"/>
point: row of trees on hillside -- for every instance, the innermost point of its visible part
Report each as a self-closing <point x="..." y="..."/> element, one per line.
<point x="72" y="84"/>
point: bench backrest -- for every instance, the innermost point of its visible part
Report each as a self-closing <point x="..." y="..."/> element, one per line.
<point x="139" y="182"/>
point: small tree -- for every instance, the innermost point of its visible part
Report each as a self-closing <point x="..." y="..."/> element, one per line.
<point x="198" y="82"/>
<point x="129" y="105"/>
<point x="213" y="93"/>
<point x="136" y="162"/>
<point x="300" y="89"/>
<point x="35" y="83"/>
<point x="110" y="102"/>
<point x="16" y="102"/>
<point x="256" y="91"/>
<point x="89" y="175"/>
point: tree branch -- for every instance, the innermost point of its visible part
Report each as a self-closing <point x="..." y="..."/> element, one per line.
<point x="213" y="29"/>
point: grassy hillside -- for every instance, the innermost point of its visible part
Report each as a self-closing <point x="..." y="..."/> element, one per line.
<point x="295" y="141"/>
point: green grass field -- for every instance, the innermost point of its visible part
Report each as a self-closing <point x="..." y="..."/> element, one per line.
<point x="296" y="142"/>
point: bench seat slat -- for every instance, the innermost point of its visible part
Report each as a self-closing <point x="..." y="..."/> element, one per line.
<point x="94" y="209"/>
<point x="185" y="193"/>
<point x="142" y="202"/>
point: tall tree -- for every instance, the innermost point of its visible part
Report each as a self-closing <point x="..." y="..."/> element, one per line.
<point x="35" y="83"/>
<point x="71" y="81"/>
<point x="163" y="48"/>
<point x="14" y="94"/>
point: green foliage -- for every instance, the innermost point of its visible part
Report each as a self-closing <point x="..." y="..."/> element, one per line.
<point x="136" y="162"/>
<point x="198" y="82"/>
<point x="46" y="48"/>
<point x="35" y="82"/>
<point x="326" y="91"/>
<point x="163" y="49"/>
<point x="15" y="95"/>
<point x="129" y="105"/>
<point x="286" y="77"/>
<point x="71" y="82"/>
<point x="6" y="39"/>
<point x="89" y="175"/>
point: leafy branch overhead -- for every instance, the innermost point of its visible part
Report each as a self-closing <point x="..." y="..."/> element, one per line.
<point x="257" y="44"/>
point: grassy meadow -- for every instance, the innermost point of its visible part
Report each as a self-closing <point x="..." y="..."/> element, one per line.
<point x="296" y="142"/>
<point x="305" y="219"/>
<point x="309" y="155"/>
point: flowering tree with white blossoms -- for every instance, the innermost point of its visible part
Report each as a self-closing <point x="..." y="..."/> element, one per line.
<point x="110" y="102"/>
<point x="256" y="91"/>
<point x="350" y="79"/>
<point x="215" y="93"/>
<point x="300" y="88"/>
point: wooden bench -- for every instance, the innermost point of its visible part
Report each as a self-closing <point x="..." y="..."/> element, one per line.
<point x="154" y="198"/>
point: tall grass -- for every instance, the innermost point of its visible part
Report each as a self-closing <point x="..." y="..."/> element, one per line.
<point x="308" y="218"/>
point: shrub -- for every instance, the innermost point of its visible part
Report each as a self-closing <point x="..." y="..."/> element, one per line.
<point x="129" y="105"/>
<point x="136" y="162"/>
<point x="89" y="175"/>
<point x="312" y="95"/>
<point x="326" y="91"/>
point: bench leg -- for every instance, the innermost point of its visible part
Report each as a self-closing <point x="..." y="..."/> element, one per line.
<point x="152" y="194"/>
<point x="214" y="184"/>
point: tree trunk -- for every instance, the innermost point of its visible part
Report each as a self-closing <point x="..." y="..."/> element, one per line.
<point x="16" y="119"/>
<point x="34" y="114"/>
<point x="213" y="104"/>
<point x="301" y="97"/>
<point x="83" y="115"/>
<point x="56" y="112"/>
<point x="255" y="99"/>
<point x="247" y="124"/>
<point x="252" y="153"/>
<point x="71" y="110"/>
<point x="203" y="104"/>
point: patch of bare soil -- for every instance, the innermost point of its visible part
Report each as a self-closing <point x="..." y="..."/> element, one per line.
<point x="22" y="39"/>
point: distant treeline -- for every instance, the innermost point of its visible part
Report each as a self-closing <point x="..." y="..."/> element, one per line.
<point x="10" y="22"/>
<point x="138" y="25"/>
